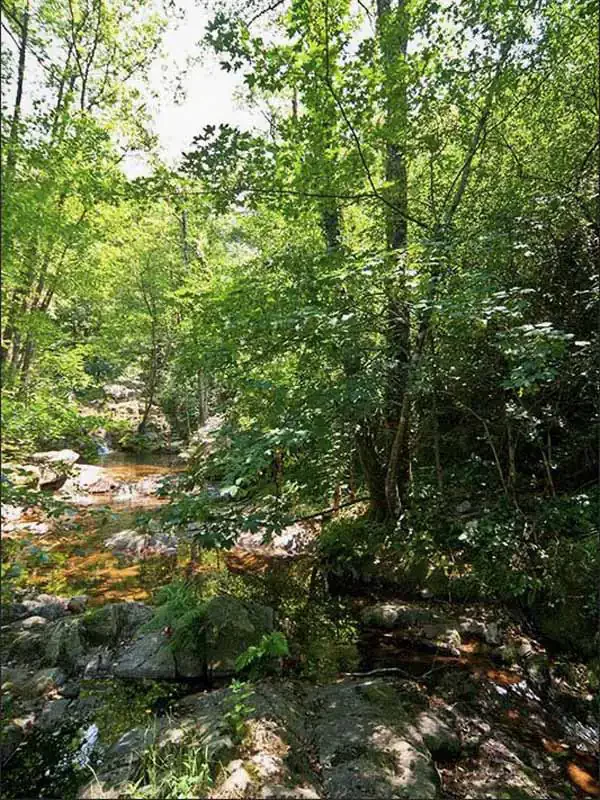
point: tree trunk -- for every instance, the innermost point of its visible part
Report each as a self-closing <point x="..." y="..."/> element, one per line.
<point x="392" y="28"/>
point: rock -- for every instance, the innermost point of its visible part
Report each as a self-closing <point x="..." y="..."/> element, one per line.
<point x="119" y="392"/>
<point x="367" y="745"/>
<point x="83" y="708"/>
<point x="68" y="457"/>
<point x="54" y="714"/>
<point x="51" y="478"/>
<point x="10" y="513"/>
<point x="47" y="606"/>
<point x="27" y="646"/>
<point x="98" y="665"/>
<point x="44" y="680"/>
<point x="77" y="604"/>
<point x="236" y="785"/>
<point x="64" y="645"/>
<point x="120" y="764"/>
<point x="71" y="690"/>
<point x="129" y="541"/>
<point x="115" y="621"/>
<point x="278" y="791"/>
<point x="440" y="739"/>
<point x="32" y="623"/>
<point x="395" y="615"/>
<point x="233" y="626"/>
<point x="11" y="612"/>
<point x="14" y="680"/>
<point x="11" y="737"/>
<point x="26" y="476"/>
<point x="90" y="479"/>
<point x="488" y="631"/>
<point x="150" y="656"/>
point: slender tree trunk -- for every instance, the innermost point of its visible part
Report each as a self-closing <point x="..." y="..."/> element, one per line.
<point x="9" y="170"/>
<point x="392" y="29"/>
<point x="11" y="150"/>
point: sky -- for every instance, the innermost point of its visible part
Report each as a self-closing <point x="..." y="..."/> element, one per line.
<point x="209" y="91"/>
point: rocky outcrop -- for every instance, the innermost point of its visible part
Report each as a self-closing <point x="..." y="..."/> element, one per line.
<point x="135" y="544"/>
<point x="436" y="627"/>
<point x="115" y="622"/>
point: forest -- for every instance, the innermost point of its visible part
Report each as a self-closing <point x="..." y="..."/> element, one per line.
<point x="301" y="428"/>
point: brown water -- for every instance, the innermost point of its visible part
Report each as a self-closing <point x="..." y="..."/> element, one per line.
<point x="138" y="476"/>
<point x="76" y="559"/>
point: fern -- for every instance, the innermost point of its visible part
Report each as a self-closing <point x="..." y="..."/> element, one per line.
<point x="260" y="657"/>
<point x="180" y="613"/>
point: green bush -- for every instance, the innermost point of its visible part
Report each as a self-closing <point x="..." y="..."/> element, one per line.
<point x="352" y="550"/>
<point x="45" y="422"/>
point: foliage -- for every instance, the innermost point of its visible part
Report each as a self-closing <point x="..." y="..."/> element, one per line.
<point x="180" y="610"/>
<point x="125" y="704"/>
<point x="237" y="710"/>
<point x="351" y="548"/>
<point x="263" y="657"/>
<point x="46" y="765"/>
<point x="173" y="771"/>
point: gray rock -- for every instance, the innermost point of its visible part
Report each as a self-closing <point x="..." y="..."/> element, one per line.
<point x="97" y="665"/>
<point x="119" y="392"/>
<point x="396" y="615"/>
<point x="54" y="714"/>
<point x="71" y="690"/>
<point x="15" y="680"/>
<point x="44" y="680"/>
<point x="90" y="479"/>
<point x="64" y="645"/>
<point x="10" y="738"/>
<point x="27" y="646"/>
<point x="78" y="604"/>
<point x="46" y="605"/>
<point x="12" y="612"/>
<point x="83" y="708"/>
<point x="148" y="657"/>
<point x="115" y="621"/>
<point x="276" y="790"/>
<point x="236" y="785"/>
<point x="51" y="478"/>
<point x="67" y="457"/>
<point x="27" y="476"/>
<point x="367" y="745"/>
<point x="440" y="739"/>
<point x="129" y="541"/>
<point x="233" y="626"/>
<point x="32" y="623"/>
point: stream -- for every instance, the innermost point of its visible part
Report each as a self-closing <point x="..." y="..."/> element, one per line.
<point x="69" y="555"/>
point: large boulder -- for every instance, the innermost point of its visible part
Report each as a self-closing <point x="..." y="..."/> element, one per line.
<point x="149" y="656"/>
<point x="54" y="467"/>
<point x="368" y="745"/>
<point x="232" y="626"/>
<point x="114" y="622"/>
<point x="64" y="644"/>
<point x="64" y="457"/>
<point x="90" y="479"/>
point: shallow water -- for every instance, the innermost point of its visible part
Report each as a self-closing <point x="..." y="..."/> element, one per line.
<point x="75" y="557"/>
